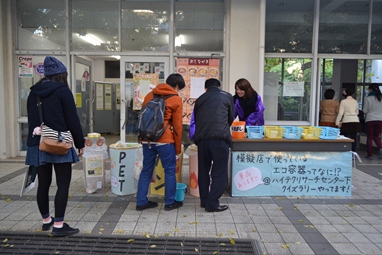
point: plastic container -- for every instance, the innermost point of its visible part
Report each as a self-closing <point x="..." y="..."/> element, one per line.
<point x="329" y="133"/>
<point x="181" y="189"/>
<point x="310" y="132"/>
<point x="255" y="132"/>
<point x="122" y="157"/>
<point x="292" y="132"/>
<point x="94" y="162"/>
<point x="238" y="129"/>
<point x="273" y="132"/>
<point x="192" y="153"/>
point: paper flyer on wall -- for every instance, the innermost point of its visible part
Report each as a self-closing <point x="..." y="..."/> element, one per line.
<point x="29" y="181"/>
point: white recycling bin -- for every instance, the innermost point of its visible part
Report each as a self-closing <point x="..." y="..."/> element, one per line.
<point x="125" y="158"/>
<point x="94" y="161"/>
<point x="192" y="152"/>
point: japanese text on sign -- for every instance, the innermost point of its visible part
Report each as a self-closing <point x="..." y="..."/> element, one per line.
<point x="291" y="173"/>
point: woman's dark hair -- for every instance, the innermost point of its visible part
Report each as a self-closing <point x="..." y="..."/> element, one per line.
<point x="349" y="91"/>
<point x="243" y="84"/>
<point x="374" y="87"/>
<point x="329" y="94"/>
<point x="60" y="77"/>
<point x="176" y="79"/>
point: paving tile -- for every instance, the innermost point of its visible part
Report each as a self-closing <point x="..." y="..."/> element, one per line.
<point x="271" y="237"/>
<point x="368" y="248"/>
<point x="335" y="237"/>
<point x="323" y="249"/>
<point x="272" y="248"/>
<point x="346" y="248"/>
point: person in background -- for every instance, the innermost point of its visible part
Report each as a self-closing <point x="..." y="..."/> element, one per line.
<point x="167" y="147"/>
<point x="373" y="111"/>
<point x="347" y="118"/>
<point x="213" y="116"/>
<point x="329" y="109"/>
<point x="248" y="104"/>
<point x="59" y="113"/>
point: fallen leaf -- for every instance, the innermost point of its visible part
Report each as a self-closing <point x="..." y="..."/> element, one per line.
<point x="176" y="229"/>
<point x="285" y="246"/>
<point x="300" y="220"/>
<point x="148" y="235"/>
<point x="181" y="244"/>
<point x="232" y="241"/>
<point x="101" y="229"/>
<point x="231" y="232"/>
<point x="130" y="240"/>
<point x="215" y="252"/>
<point x="153" y="246"/>
<point x="222" y="244"/>
<point x="8" y="200"/>
<point x="220" y="235"/>
<point x="5" y="240"/>
<point x="311" y="226"/>
<point x="254" y="230"/>
<point x="297" y="242"/>
<point x="57" y="252"/>
<point x="119" y="231"/>
<point x="196" y="249"/>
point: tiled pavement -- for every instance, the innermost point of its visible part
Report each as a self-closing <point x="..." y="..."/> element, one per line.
<point x="282" y="225"/>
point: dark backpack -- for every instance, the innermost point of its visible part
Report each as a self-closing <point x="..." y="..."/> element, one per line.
<point x="150" y="125"/>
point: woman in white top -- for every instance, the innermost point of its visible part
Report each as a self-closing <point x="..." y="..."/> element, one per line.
<point x="373" y="111"/>
<point x="347" y="118"/>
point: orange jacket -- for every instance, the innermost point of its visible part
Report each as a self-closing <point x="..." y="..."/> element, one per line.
<point x="173" y="112"/>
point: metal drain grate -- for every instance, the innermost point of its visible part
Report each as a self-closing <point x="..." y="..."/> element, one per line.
<point x="41" y="243"/>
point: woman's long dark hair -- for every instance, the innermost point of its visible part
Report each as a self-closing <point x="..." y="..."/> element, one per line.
<point x="243" y="84"/>
<point x="374" y="87"/>
<point x="249" y="101"/>
<point x="60" y="77"/>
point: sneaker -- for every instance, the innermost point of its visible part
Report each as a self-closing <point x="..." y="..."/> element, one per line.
<point x="368" y="157"/>
<point x="64" y="231"/>
<point x="173" y="206"/>
<point x="380" y="154"/>
<point x="149" y="205"/>
<point x="47" y="226"/>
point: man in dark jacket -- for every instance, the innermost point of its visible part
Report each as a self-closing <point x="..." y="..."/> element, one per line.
<point x="214" y="114"/>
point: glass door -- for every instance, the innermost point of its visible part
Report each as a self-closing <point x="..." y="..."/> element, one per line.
<point x="139" y="75"/>
<point x="83" y="93"/>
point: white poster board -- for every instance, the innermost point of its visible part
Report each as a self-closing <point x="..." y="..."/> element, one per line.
<point x="293" y="89"/>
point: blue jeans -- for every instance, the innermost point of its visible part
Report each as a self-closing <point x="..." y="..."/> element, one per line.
<point x="167" y="156"/>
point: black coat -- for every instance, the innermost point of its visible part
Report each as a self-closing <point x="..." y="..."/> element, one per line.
<point x="214" y="114"/>
<point x="59" y="111"/>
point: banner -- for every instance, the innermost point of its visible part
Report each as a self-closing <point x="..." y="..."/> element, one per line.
<point x="268" y="173"/>
<point x="195" y="72"/>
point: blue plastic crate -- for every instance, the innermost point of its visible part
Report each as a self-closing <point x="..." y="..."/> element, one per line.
<point x="255" y="132"/>
<point x="329" y="133"/>
<point x="292" y="132"/>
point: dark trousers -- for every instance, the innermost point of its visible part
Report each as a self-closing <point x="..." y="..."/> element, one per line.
<point x="373" y="130"/>
<point x="213" y="158"/>
<point x="63" y="173"/>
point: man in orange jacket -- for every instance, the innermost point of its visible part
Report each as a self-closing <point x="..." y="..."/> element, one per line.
<point x="167" y="147"/>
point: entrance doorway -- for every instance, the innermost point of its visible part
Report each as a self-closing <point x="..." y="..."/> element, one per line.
<point x="139" y="75"/>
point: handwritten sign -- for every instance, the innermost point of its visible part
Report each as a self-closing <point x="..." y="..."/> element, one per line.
<point x="291" y="173"/>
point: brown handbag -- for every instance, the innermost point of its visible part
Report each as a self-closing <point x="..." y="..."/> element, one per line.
<point x="52" y="141"/>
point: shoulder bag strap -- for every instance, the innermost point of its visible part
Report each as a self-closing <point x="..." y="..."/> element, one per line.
<point x="39" y="105"/>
